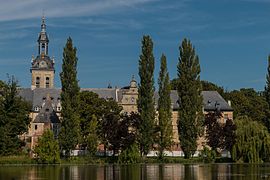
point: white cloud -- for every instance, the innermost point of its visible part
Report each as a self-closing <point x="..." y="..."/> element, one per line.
<point x="13" y="35"/>
<point x="26" y="9"/>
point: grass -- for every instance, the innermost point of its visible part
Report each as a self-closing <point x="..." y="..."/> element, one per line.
<point x="84" y="160"/>
<point x="16" y="160"/>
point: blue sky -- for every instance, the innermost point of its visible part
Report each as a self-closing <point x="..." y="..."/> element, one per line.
<point x="231" y="38"/>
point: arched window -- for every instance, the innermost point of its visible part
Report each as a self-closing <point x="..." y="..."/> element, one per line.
<point x="47" y="82"/>
<point x="43" y="47"/>
<point x="37" y="82"/>
<point x="59" y="108"/>
<point x="36" y="108"/>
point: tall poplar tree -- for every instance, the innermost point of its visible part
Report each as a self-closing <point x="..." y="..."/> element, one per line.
<point x="267" y="87"/>
<point x="267" y="95"/>
<point x="164" y="108"/>
<point x="190" y="98"/>
<point x="146" y="95"/>
<point x="69" y="134"/>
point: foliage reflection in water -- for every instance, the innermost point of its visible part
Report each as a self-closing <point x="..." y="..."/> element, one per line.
<point x="139" y="171"/>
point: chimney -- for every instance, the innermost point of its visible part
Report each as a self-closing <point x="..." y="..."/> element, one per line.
<point x="230" y="103"/>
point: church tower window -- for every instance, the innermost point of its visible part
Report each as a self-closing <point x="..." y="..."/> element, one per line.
<point x="37" y="82"/>
<point x="47" y="82"/>
<point x="43" y="48"/>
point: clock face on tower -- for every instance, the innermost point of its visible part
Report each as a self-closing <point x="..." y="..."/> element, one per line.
<point x="42" y="64"/>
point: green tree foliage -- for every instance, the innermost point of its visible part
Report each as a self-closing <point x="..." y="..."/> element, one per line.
<point x="146" y="95"/>
<point x="190" y="99"/>
<point x="164" y="108"/>
<point x="208" y="155"/>
<point x="92" y="136"/>
<point x="247" y="102"/>
<point x="206" y="86"/>
<point x="174" y="84"/>
<point x="128" y="133"/>
<point x="14" y="118"/>
<point x="110" y="124"/>
<point x="252" y="141"/>
<point x="101" y="121"/>
<point x="69" y="134"/>
<point x="130" y="155"/>
<point x="267" y="86"/>
<point x="47" y="149"/>
<point x="267" y="96"/>
<point x="91" y="110"/>
<point x="209" y="86"/>
<point x="229" y="135"/>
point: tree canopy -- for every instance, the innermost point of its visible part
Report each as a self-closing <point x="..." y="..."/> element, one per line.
<point x="252" y="141"/>
<point x="164" y="108"/>
<point x="14" y="118"/>
<point x="247" y="102"/>
<point x="47" y="148"/>
<point x="146" y="95"/>
<point x="190" y="99"/>
<point x="69" y="133"/>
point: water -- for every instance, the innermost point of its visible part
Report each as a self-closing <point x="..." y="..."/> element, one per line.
<point x="135" y="172"/>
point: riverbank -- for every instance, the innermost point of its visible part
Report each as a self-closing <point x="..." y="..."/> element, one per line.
<point x="84" y="160"/>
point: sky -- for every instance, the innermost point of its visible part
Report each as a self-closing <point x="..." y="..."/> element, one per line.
<point x="231" y="38"/>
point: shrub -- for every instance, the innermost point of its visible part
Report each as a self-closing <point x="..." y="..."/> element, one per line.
<point x="130" y="155"/>
<point x="47" y="149"/>
<point x="207" y="155"/>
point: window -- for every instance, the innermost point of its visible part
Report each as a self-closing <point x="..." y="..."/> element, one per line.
<point x="47" y="82"/>
<point x="36" y="127"/>
<point x="36" y="108"/>
<point x="42" y="47"/>
<point x="37" y="82"/>
<point x="58" y="108"/>
<point x="226" y="117"/>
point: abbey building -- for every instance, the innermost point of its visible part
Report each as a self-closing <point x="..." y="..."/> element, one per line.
<point x="46" y="102"/>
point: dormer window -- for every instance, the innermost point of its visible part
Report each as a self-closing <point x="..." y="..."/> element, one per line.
<point x="58" y="108"/>
<point x="36" y="108"/>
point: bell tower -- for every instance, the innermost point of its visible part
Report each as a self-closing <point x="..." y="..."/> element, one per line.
<point x="42" y="69"/>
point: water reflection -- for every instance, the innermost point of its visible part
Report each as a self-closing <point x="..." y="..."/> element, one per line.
<point x="139" y="171"/>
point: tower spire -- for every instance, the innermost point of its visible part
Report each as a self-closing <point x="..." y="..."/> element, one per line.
<point x="42" y="68"/>
<point x="43" y="25"/>
<point x="43" y="39"/>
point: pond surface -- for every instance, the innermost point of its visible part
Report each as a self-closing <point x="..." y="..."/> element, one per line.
<point x="136" y="172"/>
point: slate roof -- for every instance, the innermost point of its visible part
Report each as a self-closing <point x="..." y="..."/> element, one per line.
<point x="47" y="59"/>
<point x="211" y="99"/>
<point x="105" y="93"/>
<point x="47" y="113"/>
<point x="26" y="94"/>
<point x="38" y="95"/>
